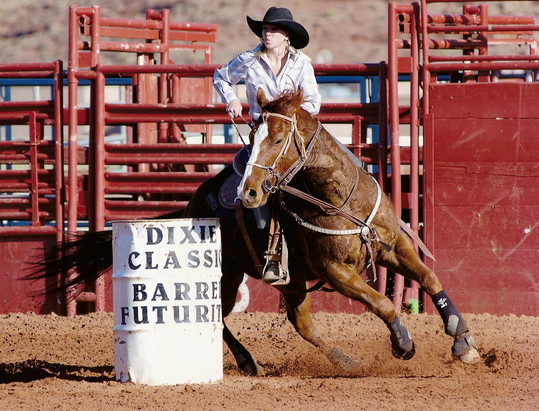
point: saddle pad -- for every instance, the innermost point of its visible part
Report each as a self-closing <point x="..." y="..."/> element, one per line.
<point x="228" y="194"/>
<point x="240" y="160"/>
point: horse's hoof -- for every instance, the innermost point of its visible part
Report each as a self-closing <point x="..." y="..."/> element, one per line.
<point x="402" y="345"/>
<point x="343" y="360"/>
<point x="471" y="356"/>
<point x="402" y="354"/>
<point x="248" y="365"/>
<point x="249" y="369"/>
<point x="465" y="349"/>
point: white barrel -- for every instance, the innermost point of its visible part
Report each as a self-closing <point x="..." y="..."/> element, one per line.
<point x="167" y="301"/>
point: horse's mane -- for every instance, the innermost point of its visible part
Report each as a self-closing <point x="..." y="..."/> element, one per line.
<point x="284" y="100"/>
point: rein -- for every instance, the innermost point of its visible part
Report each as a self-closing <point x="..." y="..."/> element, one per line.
<point x="330" y="209"/>
<point x="238" y="130"/>
<point x="283" y="181"/>
<point x="289" y="174"/>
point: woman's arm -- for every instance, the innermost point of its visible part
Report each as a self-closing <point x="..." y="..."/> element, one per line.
<point x="311" y="95"/>
<point x="228" y="76"/>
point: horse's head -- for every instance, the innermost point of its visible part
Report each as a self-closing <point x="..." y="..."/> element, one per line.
<point x="275" y="139"/>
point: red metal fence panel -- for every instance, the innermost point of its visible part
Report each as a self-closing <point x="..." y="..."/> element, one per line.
<point x="482" y="194"/>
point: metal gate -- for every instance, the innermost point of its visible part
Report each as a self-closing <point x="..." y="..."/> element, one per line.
<point x="479" y="115"/>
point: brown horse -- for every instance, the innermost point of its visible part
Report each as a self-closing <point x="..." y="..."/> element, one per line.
<point x="338" y="223"/>
<point x="333" y="239"/>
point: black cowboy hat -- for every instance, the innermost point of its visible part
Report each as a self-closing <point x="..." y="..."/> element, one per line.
<point x="282" y="17"/>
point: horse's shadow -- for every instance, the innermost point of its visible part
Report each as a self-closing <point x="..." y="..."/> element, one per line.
<point x="33" y="370"/>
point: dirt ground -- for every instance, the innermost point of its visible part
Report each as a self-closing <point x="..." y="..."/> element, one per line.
<point x="53" y="362"/>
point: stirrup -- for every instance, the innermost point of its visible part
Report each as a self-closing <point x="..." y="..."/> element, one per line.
<point x="274" y="274"/>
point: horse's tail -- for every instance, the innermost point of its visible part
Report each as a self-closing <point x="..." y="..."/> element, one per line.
<point x="88" y="255"/>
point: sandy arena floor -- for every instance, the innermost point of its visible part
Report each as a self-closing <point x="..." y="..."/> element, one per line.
<point x="51" y="362"/>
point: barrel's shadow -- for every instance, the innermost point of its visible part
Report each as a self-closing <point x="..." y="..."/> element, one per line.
<point x="33" y="370"/>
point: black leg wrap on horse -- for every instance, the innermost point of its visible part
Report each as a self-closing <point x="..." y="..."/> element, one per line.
<point x="401" y="341"/>
<point x="454" y="324"/>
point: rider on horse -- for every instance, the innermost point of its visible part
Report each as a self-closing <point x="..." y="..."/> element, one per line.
<point x="276" y="65"/>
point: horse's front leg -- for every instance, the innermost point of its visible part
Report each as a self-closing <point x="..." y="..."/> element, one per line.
<point x="404" y="259"/>
<point x="245" y="361"/>
<point x="344" y="278"/>
<point x="298" y="304"/>
<point x="230" y="283"/>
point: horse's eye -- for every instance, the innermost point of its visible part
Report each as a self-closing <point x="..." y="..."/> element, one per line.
<point x="278" y="142"/>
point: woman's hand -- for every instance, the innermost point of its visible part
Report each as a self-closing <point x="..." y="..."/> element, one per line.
<point x="234" y="108"/>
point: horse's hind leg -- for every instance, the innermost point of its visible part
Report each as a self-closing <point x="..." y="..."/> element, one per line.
<point x="404" y="259"/>
<point x="464" y="346"/>
<point x="230" y="283"/>
<point x="298" y="304"/>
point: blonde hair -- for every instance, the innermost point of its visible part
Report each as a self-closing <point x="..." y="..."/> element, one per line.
<point x="291" y="49"/>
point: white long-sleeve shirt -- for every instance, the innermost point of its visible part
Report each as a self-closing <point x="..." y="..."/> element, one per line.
<point x="255" y="71"/>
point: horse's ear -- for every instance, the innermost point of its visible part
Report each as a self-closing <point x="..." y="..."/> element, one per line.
<point x="297" y="100"/>
<point x="261" y="97"/>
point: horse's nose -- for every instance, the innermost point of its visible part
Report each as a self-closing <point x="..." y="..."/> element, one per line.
<point x="250" y="197"/>
<point x="251" y="193"/>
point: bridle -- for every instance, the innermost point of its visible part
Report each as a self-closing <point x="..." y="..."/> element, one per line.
<point x="282" y="181"/>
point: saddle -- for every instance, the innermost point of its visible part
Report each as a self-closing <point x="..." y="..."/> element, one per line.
<point x="228" y="193"/>
<point x="228" y="205"/>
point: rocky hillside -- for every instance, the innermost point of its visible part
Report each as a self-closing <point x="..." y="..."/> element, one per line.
<point x="342" y="31"/>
